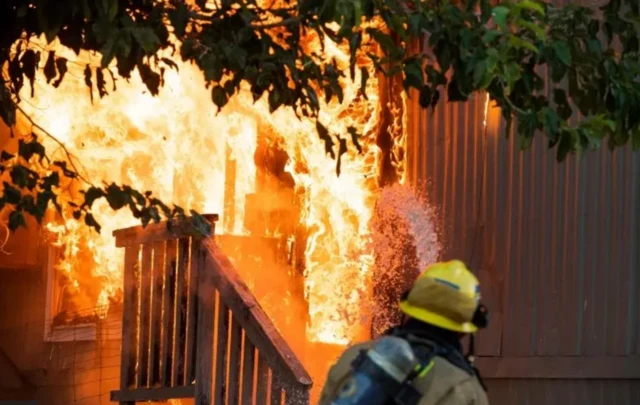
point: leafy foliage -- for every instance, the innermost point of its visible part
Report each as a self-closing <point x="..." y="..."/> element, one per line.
<point x="503" y="49"/>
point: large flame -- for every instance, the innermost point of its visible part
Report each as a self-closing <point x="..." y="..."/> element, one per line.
<point x="177" y="145"/>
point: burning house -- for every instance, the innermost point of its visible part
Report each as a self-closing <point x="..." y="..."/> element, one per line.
<point x="323" y="255"/>
<point x="298" y="234"/>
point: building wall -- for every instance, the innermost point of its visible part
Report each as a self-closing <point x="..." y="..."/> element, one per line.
<point x="555" y="246"/>
<point x="71" y="366"/>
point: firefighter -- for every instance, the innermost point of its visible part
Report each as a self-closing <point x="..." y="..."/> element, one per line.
<point x="442" y="307"/>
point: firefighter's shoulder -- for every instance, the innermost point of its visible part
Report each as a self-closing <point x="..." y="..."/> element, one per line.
<point x="446" y="384"/>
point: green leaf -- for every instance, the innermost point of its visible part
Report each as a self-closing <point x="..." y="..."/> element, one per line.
<point x="512" y="73"/>
<point x="29" y="62"/>
<point x="364" y="78"/>
<point x="50" y="67"/>
<point x="489" y="36"/>
<point x="50" y="181"/>
<point x="219" y="96"/>
<point x="16" y="220"/>
<point x="635" y="139"/>
<point x="113" y="9"/>
<point x="91" y="195"/>
<point x="564" y="147"/>
<point x="275" y="100"/>
<point x="354" y="138"/>
<point x="116" y="197"/>
<point x="100" y="83"/>
<point x="500" y="14"/>
<point x="551" y="121"/>
<point x="4" y="156"/>
<point x="425" y="96"/>
<point x="109" y="49"/>
<point x="328" y="141"/>
<point x="536" y="29"/>
<point x="562" y="104"/>
<point x="23" y="177"/>
<point x="61" y="65"/>
<point x="562" y="52"/>
<point x="91" y="222"/>
<point x="170" y="63"/>
<point x="388" y="45"/>
<point x="237" y="57"/>
<point x="42" y="203"/>
<point x="531" y="6"/>
<point x="435" y="98"/>
<point x="413" y="74"/>
<point x="146" y="38"/>
<point x="87" y="81"/>
<point x="29" y="149"/>
<point x="342" y="149"/>
<point x="525" y="141"/>
<point x="150" y="78"/>
<point x="63" y="166"/>
<point x="522" y="44"/>
<point x="11" y="194"/>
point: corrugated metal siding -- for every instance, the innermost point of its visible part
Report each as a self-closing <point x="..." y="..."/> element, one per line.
<point x="569" y="392"/>
<point x="555" y="245"/>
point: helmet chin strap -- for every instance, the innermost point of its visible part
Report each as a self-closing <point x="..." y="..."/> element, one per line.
<point x="472" y="348"/>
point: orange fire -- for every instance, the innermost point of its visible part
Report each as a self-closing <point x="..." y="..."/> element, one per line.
<point x="176" y="145"/>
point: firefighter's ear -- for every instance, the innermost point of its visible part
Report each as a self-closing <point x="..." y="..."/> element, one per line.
<point x="481" y="317"/>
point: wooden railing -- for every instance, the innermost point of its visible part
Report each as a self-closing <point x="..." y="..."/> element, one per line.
<point x="192" y="329"/>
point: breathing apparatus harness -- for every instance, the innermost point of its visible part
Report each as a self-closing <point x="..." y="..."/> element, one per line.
<point x="384" y="374"/>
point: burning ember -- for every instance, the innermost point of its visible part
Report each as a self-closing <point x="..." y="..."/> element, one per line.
<point x="178" y="146"/>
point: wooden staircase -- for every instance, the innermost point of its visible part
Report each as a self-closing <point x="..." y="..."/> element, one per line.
<point x="192" y="329"/>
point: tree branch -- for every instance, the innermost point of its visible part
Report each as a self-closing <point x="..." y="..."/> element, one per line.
<point x="56" y="140"/>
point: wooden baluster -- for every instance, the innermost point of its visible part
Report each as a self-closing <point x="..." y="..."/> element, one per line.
<point x="130" y="300"/>
<point x="221" y="354"/>
<point x="192" y="315"/>
<point x="177" y="377"/>
<point x="234" y="362"/>
<point x="295" y="394"/>
<point x="262" y="390"/>
<point x="144" y="309"/>
<point x="168" y="312"/>
<point x="247" y="371"/>
<point x="276" y="389"/>
<point x="156" y="312"/>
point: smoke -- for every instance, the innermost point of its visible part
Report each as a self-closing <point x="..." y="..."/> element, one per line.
<point x="405" y="241"/>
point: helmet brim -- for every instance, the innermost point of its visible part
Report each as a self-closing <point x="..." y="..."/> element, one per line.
<point x="438" y="320"/>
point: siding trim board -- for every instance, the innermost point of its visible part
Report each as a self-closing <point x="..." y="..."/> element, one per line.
<point x="563" y="368"/>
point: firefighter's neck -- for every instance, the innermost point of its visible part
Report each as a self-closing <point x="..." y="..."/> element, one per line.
<point x="426" y="330"/>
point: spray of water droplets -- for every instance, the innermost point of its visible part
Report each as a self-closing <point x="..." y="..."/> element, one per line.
<point x="405" y="241"/>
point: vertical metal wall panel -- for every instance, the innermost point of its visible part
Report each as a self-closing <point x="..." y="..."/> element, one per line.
<point x="555" y="245"/>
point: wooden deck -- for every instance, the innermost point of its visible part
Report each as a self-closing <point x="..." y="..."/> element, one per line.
<point x="192" y="329"/>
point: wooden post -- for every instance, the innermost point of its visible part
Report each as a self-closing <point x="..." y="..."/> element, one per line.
<point x="204" y="341"/>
